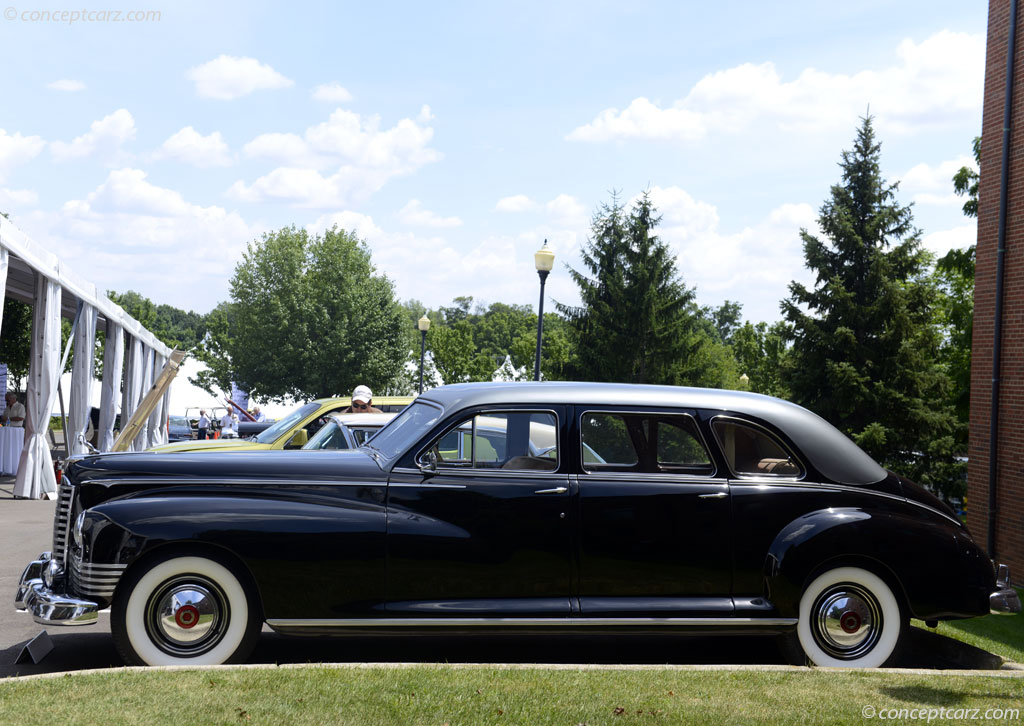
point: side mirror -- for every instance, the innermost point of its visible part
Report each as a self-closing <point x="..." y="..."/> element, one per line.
<point x="428" y="463"/>
<point x="299" y="439"/>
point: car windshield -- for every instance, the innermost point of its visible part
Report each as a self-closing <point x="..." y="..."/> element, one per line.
<point x="331" y="436"/>
<point x="179" y="421"/>
<point x="286" y="424"/>
<point x="405" y="428"/>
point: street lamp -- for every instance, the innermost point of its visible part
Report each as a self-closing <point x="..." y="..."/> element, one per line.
<point x="544" y="259"/>
<point x="424" y="325"/>
<point x="745" y="381"/>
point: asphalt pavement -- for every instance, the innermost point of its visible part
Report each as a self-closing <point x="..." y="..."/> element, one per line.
<point x="26" y="530"/>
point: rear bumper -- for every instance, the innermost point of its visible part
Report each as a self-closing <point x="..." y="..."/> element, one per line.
<point x="49" y="607"/>
<point x="1005" y="600"/>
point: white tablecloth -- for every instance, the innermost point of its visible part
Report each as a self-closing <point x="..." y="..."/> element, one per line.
<point x="12" y="441"/>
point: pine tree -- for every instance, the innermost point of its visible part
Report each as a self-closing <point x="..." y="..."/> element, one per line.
<point x="865" y="346"/>
<point x="638" y="322"/>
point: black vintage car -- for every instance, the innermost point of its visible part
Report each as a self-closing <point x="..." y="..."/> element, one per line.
<point x="529" y="507"/>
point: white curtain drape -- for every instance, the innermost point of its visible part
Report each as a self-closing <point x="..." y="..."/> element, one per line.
<point x="4" y="264"/>
<point x="141" y="442"/>
<point x="113" y="367"/>
<point x="35" y="470"/>
<point x="156" y="419"/>
<point x="131" y="392"/>
<point x="80" y="406"/>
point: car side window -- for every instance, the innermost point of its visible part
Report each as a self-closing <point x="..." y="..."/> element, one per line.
<point x="752" y="451"/>
<point x="501" y="440"/>
<point x="652" y="443"/>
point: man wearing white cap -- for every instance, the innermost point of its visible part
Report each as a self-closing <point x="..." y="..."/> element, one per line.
<point x="362" y="401"/>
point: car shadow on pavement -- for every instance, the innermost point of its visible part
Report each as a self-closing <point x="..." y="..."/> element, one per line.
<point x="83" y="651"/>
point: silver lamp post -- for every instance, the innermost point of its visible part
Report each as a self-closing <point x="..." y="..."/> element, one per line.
<point x="424" y="325"/>
<point x="544" y="259"/>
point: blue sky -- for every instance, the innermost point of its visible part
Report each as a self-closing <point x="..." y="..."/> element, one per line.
<point x="456" y="137"/>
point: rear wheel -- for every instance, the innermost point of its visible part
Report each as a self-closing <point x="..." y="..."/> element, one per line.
<point x="849" y="618"/>
<point x="184" y="611"/>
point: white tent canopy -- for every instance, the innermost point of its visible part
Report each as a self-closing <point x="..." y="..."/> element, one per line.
<point x="35" y="276"/>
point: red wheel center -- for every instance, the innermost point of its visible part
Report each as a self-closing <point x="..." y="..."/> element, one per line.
<point x="187" y="616"/>
<point x="850" y="622"/>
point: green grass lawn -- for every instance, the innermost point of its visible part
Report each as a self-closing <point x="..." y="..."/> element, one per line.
<point x="484" y="695"/>
<point x="999" y="634"/>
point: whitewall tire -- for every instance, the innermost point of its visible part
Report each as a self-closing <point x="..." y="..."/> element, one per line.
<point x="184" y="611"/>
<point x="849" y="618"/>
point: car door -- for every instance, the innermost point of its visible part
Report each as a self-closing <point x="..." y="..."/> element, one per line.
<point x="655" y="517"/>
<point x="487" y="533"/>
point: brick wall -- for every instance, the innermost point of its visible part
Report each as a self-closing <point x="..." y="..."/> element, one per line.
<point x="1009" y="530"/>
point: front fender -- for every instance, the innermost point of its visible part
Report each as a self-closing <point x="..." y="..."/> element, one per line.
<point x="328" y="549"/>
<point x="922" y="556"/>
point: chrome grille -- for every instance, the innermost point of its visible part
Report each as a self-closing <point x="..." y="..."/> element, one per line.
<point x="92" y="579"/>
<point x="62" y="521"/>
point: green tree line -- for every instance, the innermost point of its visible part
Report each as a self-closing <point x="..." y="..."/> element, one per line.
<point x="879" y="344"/>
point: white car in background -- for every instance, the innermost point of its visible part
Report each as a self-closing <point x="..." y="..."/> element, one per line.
<point x="347" y="430"/>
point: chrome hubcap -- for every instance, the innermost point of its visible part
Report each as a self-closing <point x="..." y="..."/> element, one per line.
<point x="187" y="616"/>
<point x="847" y="621"/>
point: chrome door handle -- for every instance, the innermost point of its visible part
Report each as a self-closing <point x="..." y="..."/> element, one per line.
<point x="716" y="495"/>
<point x="556" y="490"/>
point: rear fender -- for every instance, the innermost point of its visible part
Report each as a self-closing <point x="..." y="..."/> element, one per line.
<point x="917" y="554"/>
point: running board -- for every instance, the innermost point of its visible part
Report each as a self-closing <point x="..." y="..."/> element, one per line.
<point x="709" y="625"/>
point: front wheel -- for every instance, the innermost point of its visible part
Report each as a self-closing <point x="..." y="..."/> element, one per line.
<point x="184" y="611"/>
<point x="849" y="618"/>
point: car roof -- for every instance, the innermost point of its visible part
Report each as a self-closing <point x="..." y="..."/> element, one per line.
<point x="364" y="419"/>
<point x="829" y="450"/>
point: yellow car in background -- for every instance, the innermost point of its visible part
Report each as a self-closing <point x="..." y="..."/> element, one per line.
<point x="291" y="432"/>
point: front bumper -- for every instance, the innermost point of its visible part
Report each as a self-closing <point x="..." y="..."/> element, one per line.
<point x="1005" y="600"/>
<point x="47" y="606"/>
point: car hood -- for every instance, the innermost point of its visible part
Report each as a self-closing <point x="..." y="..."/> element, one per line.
<point x="210" y="445"/>
<point x="225" y="467"/>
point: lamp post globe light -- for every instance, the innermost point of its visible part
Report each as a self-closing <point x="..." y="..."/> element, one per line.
<point x="544" y="259"/>
<point x="424" y="325"/>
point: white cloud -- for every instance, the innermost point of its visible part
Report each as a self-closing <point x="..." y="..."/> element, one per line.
<point x="16" y="149"/>
<point x="567" y="211"/>
<point x="361" y="224"/>
<point x="515" y="203"/>
<point x="191" y="147"/>
<point x="414" y="214"/>
<point x="362" y="156"/>
<point x="936" y="81"/>
<point x="130" y="232"/>
<point x="928" y="184"/>
<point x="104" y="136"/>
<point x="66" y="84"/>
<point x="226" y="78"/>
<point x="331" y="93"/>
<point x="14" y="198"/>
<point x="753" y="266"/>
<point x="956" y="238"/>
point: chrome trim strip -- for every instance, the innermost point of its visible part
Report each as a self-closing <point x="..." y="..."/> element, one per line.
<point x="62" y="520"/>
<point x="94" y="566"/>
<point x="425" y="485"/>
<point x="846" y="488"/>
<point x="231" y="481"/>
<point x="551" y="622"/>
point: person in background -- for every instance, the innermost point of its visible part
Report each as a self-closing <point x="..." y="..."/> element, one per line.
<point x="257" y="414"/>
<point x="203" y="429"/>
<point x="14" y="414"/>
<point x="362" y="401"/>
<point x="227" y="428"/>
